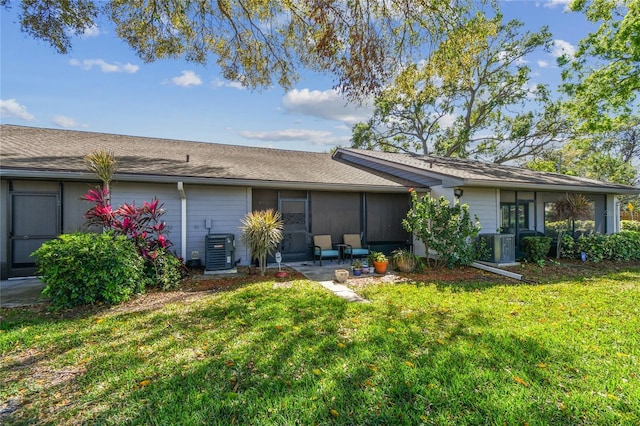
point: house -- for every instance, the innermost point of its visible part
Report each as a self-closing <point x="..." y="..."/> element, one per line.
<point x="506" y="199"/>
<point x="207" y="188"/>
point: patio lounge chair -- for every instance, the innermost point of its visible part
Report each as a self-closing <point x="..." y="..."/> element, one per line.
<point x="353" y="246"/>
<point x="323" y="248"/>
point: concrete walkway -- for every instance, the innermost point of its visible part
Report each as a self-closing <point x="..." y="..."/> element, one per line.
<point x="18" y="292"/>
<point x="325" y="276"/>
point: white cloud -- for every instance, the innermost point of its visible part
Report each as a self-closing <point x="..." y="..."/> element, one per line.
<point x="316" y="137"/>
<point x="226" y="83"/>
<point x="92" y="31"/>
<point x="64" y="122"/>
<point x="554" y="3"/>
<point x="543" y="64"/>
<point x="88" y="64"/>
<point x="328" y="105"/>
<point x="188" y="78"/>
<point x="561" y="47"/>
<point x="11" y="108"/>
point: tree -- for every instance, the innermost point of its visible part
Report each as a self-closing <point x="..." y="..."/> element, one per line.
<point x="261" y="42"/>
<point x="611" y="156"/>
<point x="603" y="79"/>
<point x="570" y="208"/>
<point x="476" y="105"/>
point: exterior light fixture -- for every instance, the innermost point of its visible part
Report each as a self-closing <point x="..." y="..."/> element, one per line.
<point x="458" y="192"/>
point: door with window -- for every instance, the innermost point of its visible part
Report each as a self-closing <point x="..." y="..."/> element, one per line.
<point x="35" y="218"/>
<point x="294" y="245"/>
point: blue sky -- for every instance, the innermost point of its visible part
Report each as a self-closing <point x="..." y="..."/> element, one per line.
<point x="102" y="86"/>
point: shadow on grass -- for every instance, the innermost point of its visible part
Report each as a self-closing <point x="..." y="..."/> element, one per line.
<point x="299" y="355"/>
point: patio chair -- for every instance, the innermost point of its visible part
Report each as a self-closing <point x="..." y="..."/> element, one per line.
<point x="353" y="246"/>
<point x="323" y="248"/>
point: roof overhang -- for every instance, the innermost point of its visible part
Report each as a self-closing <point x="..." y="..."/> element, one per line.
<point x="148" y="178"/>
<point x="447" y="181"/>
<point x="547" y="188"/>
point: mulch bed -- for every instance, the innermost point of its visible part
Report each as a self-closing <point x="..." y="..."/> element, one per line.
<point x="198" y="281"/>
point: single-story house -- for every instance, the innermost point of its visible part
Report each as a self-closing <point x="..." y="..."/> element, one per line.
<point x="207" y="188"/>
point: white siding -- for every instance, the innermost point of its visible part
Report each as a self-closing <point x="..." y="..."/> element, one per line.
<point x="225" y="206"/>
<point x="138" y="193"/>
<point x="74" y="207"/>
<point x="4" y="228"/>
<point x="483" y="202"/>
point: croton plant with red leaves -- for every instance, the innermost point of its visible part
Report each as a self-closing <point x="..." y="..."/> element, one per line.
<point x="141" y="224"/>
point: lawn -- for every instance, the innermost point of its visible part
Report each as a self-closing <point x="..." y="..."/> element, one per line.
<point x="494" y="351"/>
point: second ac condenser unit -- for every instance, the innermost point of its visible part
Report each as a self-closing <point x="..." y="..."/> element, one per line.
<point x="219" y="251"/>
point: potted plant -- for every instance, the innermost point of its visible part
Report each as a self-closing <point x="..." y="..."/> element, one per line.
<point x="403" y="260"/>
<point x="357" y="267"/>
<point x="380" y="262"/>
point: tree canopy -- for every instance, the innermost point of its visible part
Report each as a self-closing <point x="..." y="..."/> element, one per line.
<point x="259" y="42"/>
<point x="481" y="104"/>
<point x="603" y="79"/>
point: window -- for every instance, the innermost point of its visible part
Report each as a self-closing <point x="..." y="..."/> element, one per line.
<point x="512" y="218"/>
<point x="583" y="224"/>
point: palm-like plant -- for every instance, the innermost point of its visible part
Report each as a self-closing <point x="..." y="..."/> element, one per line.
<point x="102" y="164"/>
<point x="261" y="233"/>
<point x="571" y="208"/>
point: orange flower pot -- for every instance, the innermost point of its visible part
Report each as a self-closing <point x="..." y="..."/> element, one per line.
<point x="381" y="267"/>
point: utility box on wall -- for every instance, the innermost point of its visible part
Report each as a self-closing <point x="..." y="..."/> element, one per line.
<point x="219" y="252"/>
<point x="499" y="248"/>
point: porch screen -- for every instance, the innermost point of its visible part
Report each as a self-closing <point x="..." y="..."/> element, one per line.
<point x="384" y="217"/>
<point x="335" y="213"/>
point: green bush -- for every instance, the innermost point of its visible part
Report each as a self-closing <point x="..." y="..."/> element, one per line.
<point x="630" y="225"/>
<point x="623" y="246"/>
<point x="164" y="271"/>
<point x="445" y="229"/>
<point x="84" y="268"/>
<point x="536" y="249"/>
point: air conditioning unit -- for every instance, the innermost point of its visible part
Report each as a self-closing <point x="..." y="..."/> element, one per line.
<point x="499" y="248"/>
<point x="219" y="252"/>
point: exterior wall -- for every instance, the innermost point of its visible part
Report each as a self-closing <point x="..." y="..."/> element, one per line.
<point x="138" y="193"/>
<point x="484" y="203"/>
<point x="73" y="207"/>
<point x="225" y="207"/>
<point x="612" y="214"/>
<point x="4" y="229"/>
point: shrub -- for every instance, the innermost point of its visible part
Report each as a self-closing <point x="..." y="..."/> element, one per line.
<point x="598" y="247"/>
<point x="447" y="230"/>
<point x="630" y="225"/>
<point x="84" y="268"/>
<point x="165" y="270"/>
<point x="261" y="233"/>
<point x="536" y="249"/>
<point x="144" y="227"/>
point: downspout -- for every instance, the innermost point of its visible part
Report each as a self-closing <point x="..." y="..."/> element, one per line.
<point x="183" y="221"/>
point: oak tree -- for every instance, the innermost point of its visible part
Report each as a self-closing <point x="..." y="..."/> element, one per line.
<point x="258" y="42"/>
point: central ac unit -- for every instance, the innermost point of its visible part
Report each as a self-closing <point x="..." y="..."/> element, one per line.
<point x="219" y="251"/>
<point x="499" y="248"/>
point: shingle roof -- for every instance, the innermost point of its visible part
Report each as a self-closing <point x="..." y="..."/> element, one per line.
<point x="470" y="172"/>
<point x="44" y="151"/>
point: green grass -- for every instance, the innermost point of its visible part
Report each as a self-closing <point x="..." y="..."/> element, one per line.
<point x="561" y="353"/>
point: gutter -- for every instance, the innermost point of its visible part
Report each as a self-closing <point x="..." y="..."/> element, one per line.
<point x="364" y="187"/>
